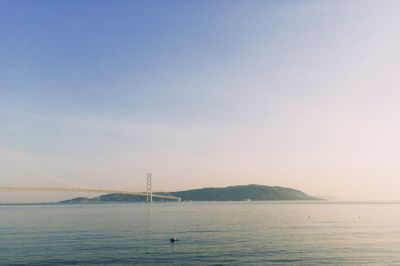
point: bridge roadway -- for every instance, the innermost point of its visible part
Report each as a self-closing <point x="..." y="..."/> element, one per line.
<point x="90" y="190"/>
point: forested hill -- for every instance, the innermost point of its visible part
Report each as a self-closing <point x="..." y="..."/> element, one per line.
<point x="241" y="193"/>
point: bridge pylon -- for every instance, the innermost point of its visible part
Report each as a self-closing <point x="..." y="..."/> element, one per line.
<point x="149" y="192"/>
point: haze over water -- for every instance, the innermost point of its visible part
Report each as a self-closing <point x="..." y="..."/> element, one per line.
<point x="210" y="233"/>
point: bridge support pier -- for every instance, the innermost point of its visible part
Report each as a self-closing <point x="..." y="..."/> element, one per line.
<point x="149" y="191"/>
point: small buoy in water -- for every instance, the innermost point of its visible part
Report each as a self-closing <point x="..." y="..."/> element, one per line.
<point x="173" y="239"/>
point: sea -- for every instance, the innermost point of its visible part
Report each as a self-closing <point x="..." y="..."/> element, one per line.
<point x="208" y="233"/>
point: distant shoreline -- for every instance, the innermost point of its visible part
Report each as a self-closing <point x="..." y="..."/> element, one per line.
<point x="324" y="202"/>
<point x="241" y="193"/>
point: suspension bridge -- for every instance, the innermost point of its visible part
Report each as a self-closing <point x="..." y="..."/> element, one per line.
<point x="148" y="194"/>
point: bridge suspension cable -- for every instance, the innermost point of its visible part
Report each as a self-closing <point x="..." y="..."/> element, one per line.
<point x="73" y="189"/>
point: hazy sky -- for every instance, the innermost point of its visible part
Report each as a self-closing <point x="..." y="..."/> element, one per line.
<point x="303" y="94"/>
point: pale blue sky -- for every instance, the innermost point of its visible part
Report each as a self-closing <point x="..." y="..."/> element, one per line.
<point x="202" y="93"/>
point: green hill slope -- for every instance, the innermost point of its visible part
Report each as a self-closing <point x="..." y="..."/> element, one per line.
<point x="240" y="193"/>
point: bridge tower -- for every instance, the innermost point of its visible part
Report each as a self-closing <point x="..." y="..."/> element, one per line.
<point x="149" y="191"/>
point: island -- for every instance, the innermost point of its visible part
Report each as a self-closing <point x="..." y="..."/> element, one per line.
<point x="232" y="193"/>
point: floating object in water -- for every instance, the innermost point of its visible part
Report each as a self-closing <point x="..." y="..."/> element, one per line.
<point x="173" y="239"/>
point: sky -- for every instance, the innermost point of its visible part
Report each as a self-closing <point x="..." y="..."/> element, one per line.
<point x="300" y="94"/>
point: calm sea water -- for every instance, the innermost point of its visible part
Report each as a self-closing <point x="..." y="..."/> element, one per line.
<point x="226" y="233"/>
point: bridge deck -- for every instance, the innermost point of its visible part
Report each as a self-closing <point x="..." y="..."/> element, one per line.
<point x="90" y="190"/>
